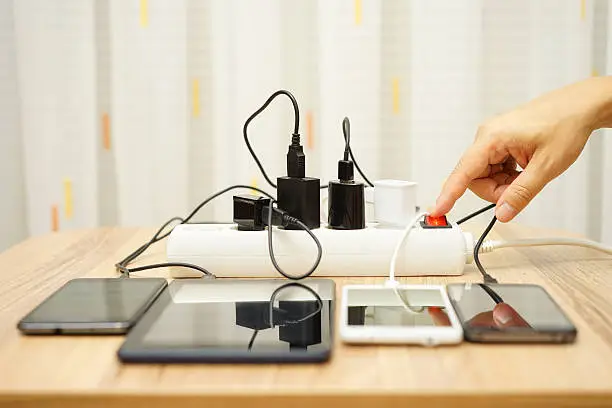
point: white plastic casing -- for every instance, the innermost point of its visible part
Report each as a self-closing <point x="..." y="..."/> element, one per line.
<point x="381" y="296"/>
<point x="227" y="252"/>
<point x="394" y="202"/>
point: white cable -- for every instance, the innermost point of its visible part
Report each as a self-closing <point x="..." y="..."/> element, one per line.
<point x="410" y="309"/>
<point x="392" y="282"/>
<point x="489" y="246"/>
<point x="398" y="247"/>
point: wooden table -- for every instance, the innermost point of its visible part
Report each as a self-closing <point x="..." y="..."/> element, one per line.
<point x="84" y="371"/>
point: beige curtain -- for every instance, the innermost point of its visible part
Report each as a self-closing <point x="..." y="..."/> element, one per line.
<point x="127" y="112"/>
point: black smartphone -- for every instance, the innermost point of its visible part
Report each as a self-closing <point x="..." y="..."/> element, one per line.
<point x="93" y="306"/>
<point x="509" y="313"/>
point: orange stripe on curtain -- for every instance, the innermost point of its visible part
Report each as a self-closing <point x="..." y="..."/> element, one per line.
<point x="54" y="218"/>
<point x="106" y="136"/>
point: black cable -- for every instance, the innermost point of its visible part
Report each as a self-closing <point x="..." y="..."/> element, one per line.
<point x="122" y="266"/>
<point x="487" y="278"/>
<point x="153" y="240"/>
<point x="296" y="128"/>
<point x="302" y="319"/>
<point x="255" y="332"/>
<point x="492" y="294"/>
<point x="346" y="130"/>
<point x="302" y="226"/>
<point x="276" y="292"/>
<point x="167" y="264"/>
<point x="475" y="213"/>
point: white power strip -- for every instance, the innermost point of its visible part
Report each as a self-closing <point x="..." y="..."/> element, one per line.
<point x="227" y="252"/>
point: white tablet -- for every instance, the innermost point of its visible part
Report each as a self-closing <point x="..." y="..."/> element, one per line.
<point x="406" y="314"/>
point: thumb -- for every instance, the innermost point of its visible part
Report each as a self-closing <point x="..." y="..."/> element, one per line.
<point x="505" y="316"/>
<point x="521" y="191"/>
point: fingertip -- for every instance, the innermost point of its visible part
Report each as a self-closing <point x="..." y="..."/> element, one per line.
<point x="505" y="212"/>
<point x="443" y="205"/>
<point x="504" y="315"/>
<point x="435" y="210"/>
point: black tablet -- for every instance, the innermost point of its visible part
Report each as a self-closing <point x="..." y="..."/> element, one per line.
<point x="235" y="321"/>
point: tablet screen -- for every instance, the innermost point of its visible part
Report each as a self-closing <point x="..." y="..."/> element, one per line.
<point x="235" y="320"/>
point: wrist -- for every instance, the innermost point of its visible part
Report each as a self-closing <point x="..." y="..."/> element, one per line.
<point x="599" y="96"/>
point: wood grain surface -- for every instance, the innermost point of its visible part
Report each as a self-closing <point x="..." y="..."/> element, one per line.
<point x="84" y="371"/>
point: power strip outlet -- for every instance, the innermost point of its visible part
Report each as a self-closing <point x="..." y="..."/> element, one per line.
<point x="227" y="252"/>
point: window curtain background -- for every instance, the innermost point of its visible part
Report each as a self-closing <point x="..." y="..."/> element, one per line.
<point x="128" y="112"/>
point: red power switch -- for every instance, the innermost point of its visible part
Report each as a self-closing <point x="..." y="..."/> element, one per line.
<point x="435" y="222"/>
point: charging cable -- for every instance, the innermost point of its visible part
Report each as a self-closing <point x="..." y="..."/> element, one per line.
<point x="346" y="131"/>
<point x="484" y="247"/>
<point x="282" y="219"/>
<point x="398" y="247"/>
<point x="392" y="282"/>
<point x="286" y="219"/>
<point x="295" y="163"/>
<point x="475" y="213"/>
<point x="286" y="322"/>
<point x="122" y="266"/>
<point x="486" y="277"/>
<point x="491" y="245"/>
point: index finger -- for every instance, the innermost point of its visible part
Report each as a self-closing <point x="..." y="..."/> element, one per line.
<point x="470" y="166"/>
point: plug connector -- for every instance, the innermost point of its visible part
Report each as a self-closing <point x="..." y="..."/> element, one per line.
<point x="296" y="159"/>
<point x="346" y="196"/>
<point x="248" y="212"/>
<point x="346" y="172"/>
<point x="280" y="218"/>
<point x="299" y="195"/>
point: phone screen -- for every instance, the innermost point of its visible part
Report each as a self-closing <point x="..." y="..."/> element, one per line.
<point x="404" y="308"/>
<point x="396" y="316"/>
<point x="509" y="312"/>
<point x="82" y="302"/>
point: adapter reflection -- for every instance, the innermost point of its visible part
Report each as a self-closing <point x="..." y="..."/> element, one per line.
<point x="299" y="321"/>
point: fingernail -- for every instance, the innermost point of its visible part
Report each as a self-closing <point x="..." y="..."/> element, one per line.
<point x="502" y="315"/>
<point x="505" y="212"/>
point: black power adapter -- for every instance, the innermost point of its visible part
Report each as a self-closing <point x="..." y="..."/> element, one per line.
<point x="346" y="196"/>
<point x="299" y="195"/>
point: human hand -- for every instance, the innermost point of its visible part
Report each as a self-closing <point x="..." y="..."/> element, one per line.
<point x="544" y="137"/>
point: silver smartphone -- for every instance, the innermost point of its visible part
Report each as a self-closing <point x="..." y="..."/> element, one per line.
<point x="93" y="306"/>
